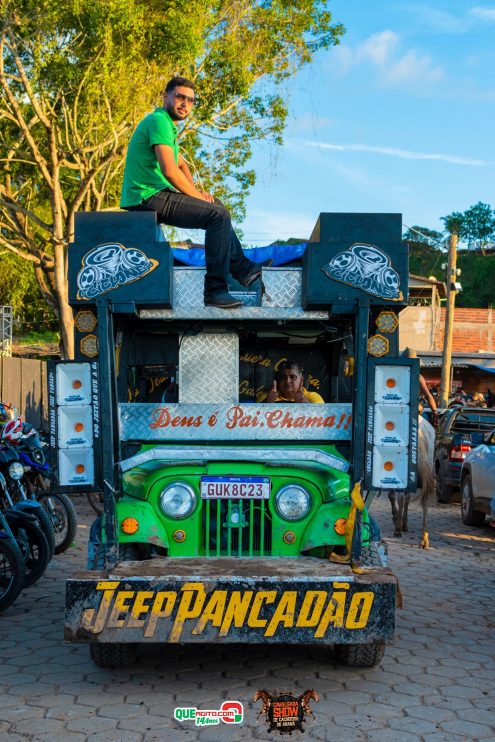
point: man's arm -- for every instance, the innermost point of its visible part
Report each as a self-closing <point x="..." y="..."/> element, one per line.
<point x="427" y="394"/>
<point x="179" y="175"/>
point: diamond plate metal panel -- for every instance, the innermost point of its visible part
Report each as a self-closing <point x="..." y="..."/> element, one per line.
<point x="282" y="287"/>
<point x="247" y="422"/>
<point x="281" y="301"/>
<point x="209" y="368"/>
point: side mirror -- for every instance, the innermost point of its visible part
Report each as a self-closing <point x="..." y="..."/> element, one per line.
<point x="477" y="438"/>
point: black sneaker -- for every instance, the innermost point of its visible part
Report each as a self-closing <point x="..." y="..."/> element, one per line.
<point x="255" y="273"/>
<point x="223" y="300"/>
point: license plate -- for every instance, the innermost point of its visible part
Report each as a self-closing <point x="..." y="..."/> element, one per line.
<point x="229" y="488"/>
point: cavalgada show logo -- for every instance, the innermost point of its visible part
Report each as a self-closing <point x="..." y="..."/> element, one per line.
<point x="285" y="712"/>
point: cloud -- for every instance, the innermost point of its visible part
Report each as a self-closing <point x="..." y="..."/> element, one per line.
<point x="383" y="52"/>
<point x="404" y="154"/>
<point x="484" y="14"/>
<point x="438" y="21"/>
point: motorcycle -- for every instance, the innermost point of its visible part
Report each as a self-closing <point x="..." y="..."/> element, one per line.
<point x="58" y="508"/>
<point x="12" y="568"/>
<point x="30" y="539"/>
<point x="13" y="494"/>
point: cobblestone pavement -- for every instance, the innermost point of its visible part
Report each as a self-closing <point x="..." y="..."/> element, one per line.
<point x="436" y="683"/>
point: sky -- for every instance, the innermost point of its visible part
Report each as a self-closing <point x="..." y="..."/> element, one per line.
<point x="398" y="118"/>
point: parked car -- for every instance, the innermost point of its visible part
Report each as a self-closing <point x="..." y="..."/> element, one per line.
<point x="478" y="480"/>
<point x="452" y="444"/>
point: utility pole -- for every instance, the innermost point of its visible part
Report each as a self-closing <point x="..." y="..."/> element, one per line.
<point x="449" y="322"/>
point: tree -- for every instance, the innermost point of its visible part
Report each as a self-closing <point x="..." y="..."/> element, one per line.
<point x="77" y="75"/>
<point x="475" y="226"/>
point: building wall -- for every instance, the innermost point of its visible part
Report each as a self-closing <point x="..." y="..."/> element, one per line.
<point x="417" y="327"/>
<point x="473" y="330"/>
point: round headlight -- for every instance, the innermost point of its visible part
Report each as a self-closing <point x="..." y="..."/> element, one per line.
<point x="293" y="502"/>
<point x="178" y="500"/>
<point x="16" y="470"/>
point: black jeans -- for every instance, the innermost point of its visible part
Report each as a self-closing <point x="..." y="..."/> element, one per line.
<point x="223" y="250"/>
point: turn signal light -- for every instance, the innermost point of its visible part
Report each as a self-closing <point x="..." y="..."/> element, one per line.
<point x="289" y="537"/>
<point x="339" y="526"/>
<point x="129" y="525"/>
<point x="179" y="536"/>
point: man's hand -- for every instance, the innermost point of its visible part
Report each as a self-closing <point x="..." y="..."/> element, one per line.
<point x="273" y="393"/>
<point x="207" y="197"/>
<point x="299" y="394"/>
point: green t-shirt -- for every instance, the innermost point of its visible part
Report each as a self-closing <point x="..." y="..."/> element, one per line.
<point x="142" y="174"/>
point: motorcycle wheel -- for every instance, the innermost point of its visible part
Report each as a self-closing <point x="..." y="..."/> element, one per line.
<point x="12" y="573"/>
<point x="34" y="549"/>
<point x="46" y="525"/>
<point x="63" y="516"/>
<point x="95" y="499"/>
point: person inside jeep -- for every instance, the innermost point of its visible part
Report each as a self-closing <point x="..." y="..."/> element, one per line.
<point x="288" y="386"/>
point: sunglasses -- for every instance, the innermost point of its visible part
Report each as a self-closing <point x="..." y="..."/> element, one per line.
<point x="184" y="98"/>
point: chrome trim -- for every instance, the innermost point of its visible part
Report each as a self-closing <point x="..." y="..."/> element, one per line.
<point x="302" y="457"/>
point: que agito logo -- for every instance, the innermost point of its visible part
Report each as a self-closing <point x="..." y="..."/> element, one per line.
<point x="285" y="712"/>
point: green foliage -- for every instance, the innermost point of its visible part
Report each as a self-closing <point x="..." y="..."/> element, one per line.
<point x="77" y="75"/>
<point x="19" y="289"/>
<point x="475" y="226"/>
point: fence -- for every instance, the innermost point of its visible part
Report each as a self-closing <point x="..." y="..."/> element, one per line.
<point x="23" y="382"/>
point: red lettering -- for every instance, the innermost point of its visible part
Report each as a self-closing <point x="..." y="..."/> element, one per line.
<point x="329" y="421"/>
<point x="161" y="418"/>
<point x="233" y="417"/>
<point x="273" y="417"/>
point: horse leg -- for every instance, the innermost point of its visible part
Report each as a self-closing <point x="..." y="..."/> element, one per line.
<point x="393" y="501"/>
<point x="400" y="515"/>
<point x="425" y="541"/>
<point x="407" y="497"/>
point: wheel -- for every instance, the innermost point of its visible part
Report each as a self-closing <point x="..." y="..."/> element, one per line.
<point x="34" y="549"/>
<point x="63" y="515"/>
<point x="444" y="491"/>
<point x="129" y="553"/>
<point x="112" y="655"/>
<point x="374" y="555"/>
<point x="95" y="499"/>
<point x="47" y="527"/>
<point x="470" y="516"/>
<point x="12" y="572"/>
<point x="360" y="655"/>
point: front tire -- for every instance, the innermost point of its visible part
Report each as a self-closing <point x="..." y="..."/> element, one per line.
<point x="360" y="655"/>
<point x="12" y="573"/>
<point x="470" y="516"/>
<point x="34" y="549"/>
<point x="63" y="515"/>
<point x="112" y="655"/>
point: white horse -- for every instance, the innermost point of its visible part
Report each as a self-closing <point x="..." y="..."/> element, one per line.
<point x="426" y="484"/>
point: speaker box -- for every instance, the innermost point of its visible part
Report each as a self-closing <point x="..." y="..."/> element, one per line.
<point x="73" y="384"/>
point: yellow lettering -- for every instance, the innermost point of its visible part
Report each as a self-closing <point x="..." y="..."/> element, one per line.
<point x="334" y="613"/>
<point x="312" y="606"/>
<point x="236" y="611"/>
<point x="139" y="608"/>
<point x="188" y="609"/>
<point x="88" y="615"/>
<point x="359" y="610"/>
<point x="284" y="612"/>
<point x="119" y="607"/>
<point x="162" y="608"/>
<point x="262" y="596"/>
<point x="213" y="612"/>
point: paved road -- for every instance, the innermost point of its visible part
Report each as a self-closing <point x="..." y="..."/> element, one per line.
<point x="436" y="683"/>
